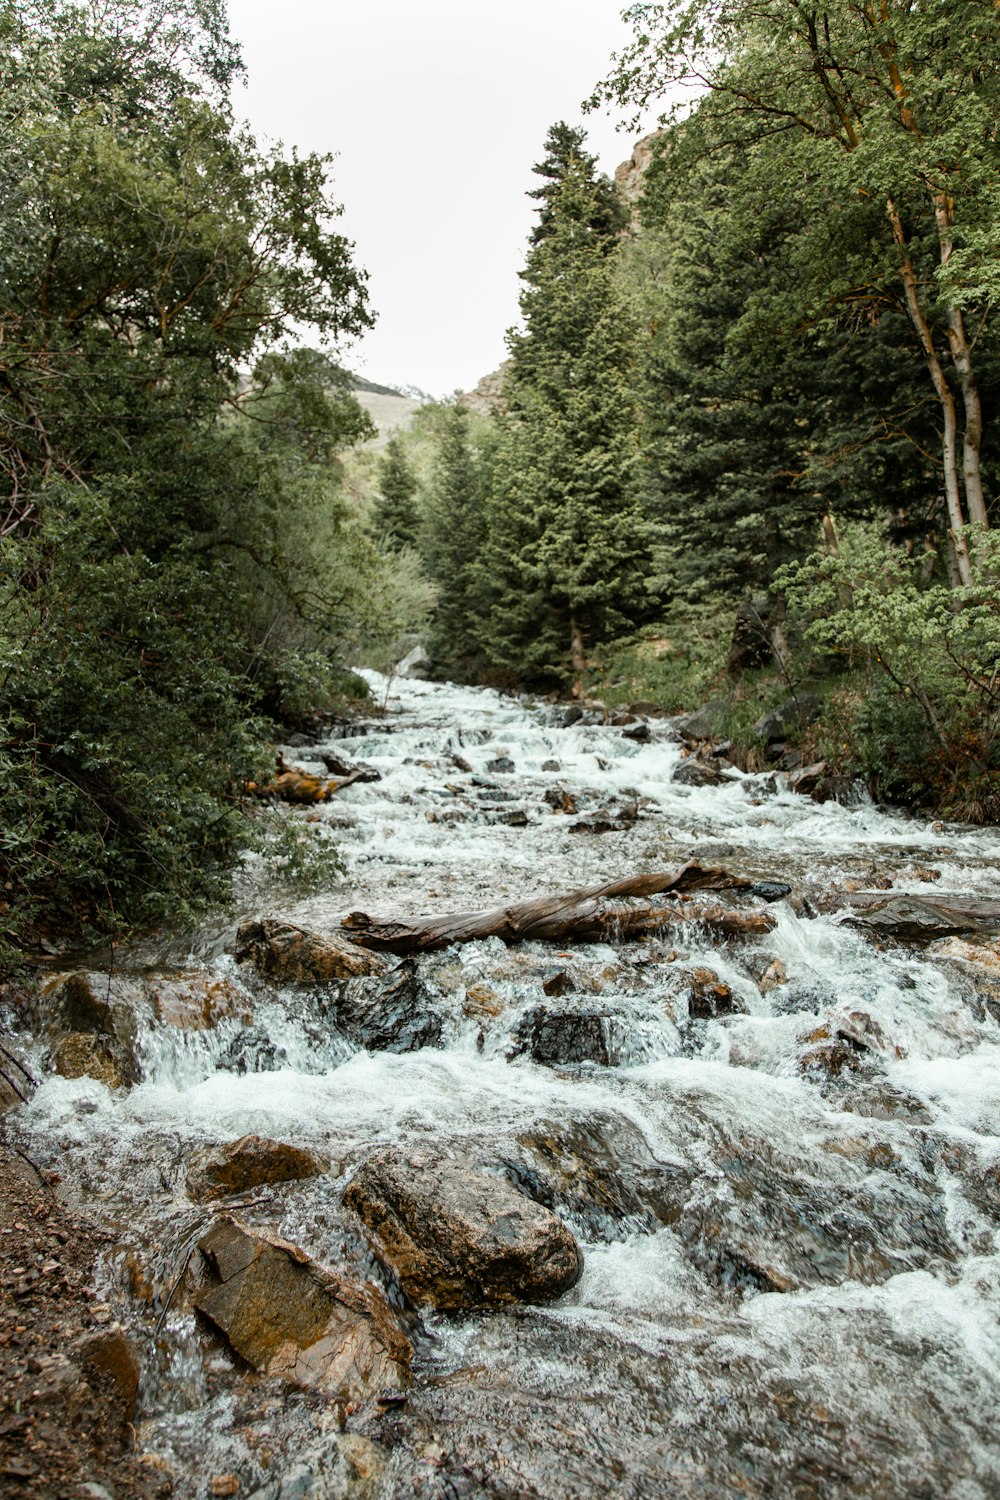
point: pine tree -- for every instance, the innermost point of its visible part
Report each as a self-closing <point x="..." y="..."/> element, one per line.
<point x="396" y="516"/>
<point x="566" y="556"/>
<point x="451" y="540"/>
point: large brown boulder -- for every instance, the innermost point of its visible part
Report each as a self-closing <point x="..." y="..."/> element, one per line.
<point x="89" y="1020"/>
<point x="460" y="1236"/>
<point x="293" y="955"/>
<point x="252" y="1161"/>
<point x="196" y="999"/>
<point x="297" y="1321"/>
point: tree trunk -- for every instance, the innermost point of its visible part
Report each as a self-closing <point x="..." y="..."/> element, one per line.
<point x="949" y="437"/>
<point x="961" y="354"/>
<point x="577" y="656"/>
<point x="585" y="916"/>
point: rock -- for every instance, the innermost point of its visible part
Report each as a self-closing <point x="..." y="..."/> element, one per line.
<point x="252" y="1050"/>
<point x="502" y="765"/>
<point x="89" y="1020"/>
<point x="709" y="996"/>
<point x="459" y="1236"/>
<point x="481" y="1000"/>
<point x="788" y="717"/>
<point x="17" y="1084"/>
<point x="558" y="983"/>
<point x="461" y="764"/>
<point x="81" y="1054"/>
<point x="197" y="1000"/>
<point x="252" y="1161"/>
<point x="770" y="890"/>
<point x="607" y="820"/>
<point x="393" y="1015"/>
<point x="639" y="732"/>
<point x="357" y="771"/>
<point x="509" y="817"/>
<point x="415" y="663"/>
<point x="552" y="766"/>
<point x="345" y="1466"/>
<point x="297" y="1321"/>
<point x="560" y="1036"/>
<point x="810" y="780"/>
<point x="773" y="977"/>
<point x="293" y="955"/>
<point x="560" y="800"/>
<point x="601" y="1172"/>
<point x="109" y="1357"/>
<point x="693" y="772"/>
<point x="916" y="919"/>
<point x="704" y="723"/>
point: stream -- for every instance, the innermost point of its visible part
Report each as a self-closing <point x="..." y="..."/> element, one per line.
<point x="788" y="1210"/>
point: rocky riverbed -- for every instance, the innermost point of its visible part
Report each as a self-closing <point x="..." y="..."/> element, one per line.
<point x="708" y="1211"/>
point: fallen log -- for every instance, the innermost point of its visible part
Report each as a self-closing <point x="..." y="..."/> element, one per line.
<point x="582" y="916"/>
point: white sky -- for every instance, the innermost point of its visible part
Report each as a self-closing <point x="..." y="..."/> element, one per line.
<point x="438" y="110"/>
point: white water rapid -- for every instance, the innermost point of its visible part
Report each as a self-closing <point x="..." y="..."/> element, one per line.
<point x="789" y="1213"/>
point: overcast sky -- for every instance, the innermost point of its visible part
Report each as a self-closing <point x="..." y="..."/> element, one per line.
<point x="437" y="110"/>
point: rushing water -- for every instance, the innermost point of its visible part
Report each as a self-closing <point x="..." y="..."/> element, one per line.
<point x="791" y="1282"/>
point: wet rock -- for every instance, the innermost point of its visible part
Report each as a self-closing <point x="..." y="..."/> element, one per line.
<point x="461" y="764"/>
<point x="502" y="765"/>
<point x="345" y="1466"/>
<point x="560" y="800"/>
<point x="196" y="1000"/>
<point x="770" y="890"/>
<point x="81" y="1054"/>
<point x="482" y="1001"/>
<point x="810" y="780"/>
<point x="562" y="1036"/>
<point x="252" y="1050"/>
<point x="109" y="1357"/>
<point x="788" y="717"/>
<point x="89" y="1019"/>
<point x="602" y="1173"/>
<point x="709" y="996"/>
<point x="509" y="817"/>
<point x="607" y="820"/>
<point x="692" y="772"/>
<point x="552" y="766"/>
<point x="297" y="1321"/>
<point x="638" y="733"/>
<point x="558" y="983"/>
<point x="773" y="977"/>
<point x="392" y="1015"/>
<point x="913" y="918"/>
<point x="457" y="1235"/>
<point x="292" y="955"/>
<point x="356" y="770"/>
<point x="252" y="1161"/>
<point x="415" y="663"/>
<point x="17" y="1083"/>
<point x="704" y="723"/>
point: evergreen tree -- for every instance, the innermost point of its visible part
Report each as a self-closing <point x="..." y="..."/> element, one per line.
<point x="396" y="516"/>
<point x="566" y="556"/>
<point x="452" y="537"/>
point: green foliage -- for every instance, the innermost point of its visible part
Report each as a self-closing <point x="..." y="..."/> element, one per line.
<point x="566" y="556"/>
<point x="453" y="536"/>
<point x="396" y="515"/>
<point x="676" y="663"/>
<point x="928" y="725"/>
<point x="177" y="554"/>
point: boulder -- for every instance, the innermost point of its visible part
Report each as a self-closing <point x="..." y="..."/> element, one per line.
<point x="344" y="1466"/>
<point x="415" y="663"/>
<point x="787" y="718"/>
<point x="709" y="996"/>
<point x="770" y="890"/>
<point x="355" y="771"/>
<point x="89" y="1020"/>
<point x="197" y="1000"/>
<point x="693" y="772"/>
<point x="460" y="1236"/>
<point x="501" y="766"/>
<point x="392" y="1015"/>
<point x="293" y="955"/>
<point x="915" y="919"/>
<point x="252" y="1161"/>
<point x="297" y="1321"/>
<point x="704" y="723"/>
<point x="557" y="1036"/>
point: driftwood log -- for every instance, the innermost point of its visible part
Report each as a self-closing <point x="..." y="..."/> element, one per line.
<point x="596" y="914"/>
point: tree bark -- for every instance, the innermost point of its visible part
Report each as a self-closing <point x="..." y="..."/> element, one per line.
<point x="577" y="656"/>
<point x="961" y="354"/>
<point x="592" y="915"/>
<point x="949" y="437"/>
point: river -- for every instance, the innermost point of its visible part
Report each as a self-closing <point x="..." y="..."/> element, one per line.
<point x="788" y="1212"/>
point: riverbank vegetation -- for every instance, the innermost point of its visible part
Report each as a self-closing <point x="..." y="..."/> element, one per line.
<point x="768" y="394"/>
<point x="179" y="567"/>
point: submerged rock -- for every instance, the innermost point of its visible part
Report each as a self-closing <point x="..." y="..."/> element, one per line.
<point x="345" y="1466"/>
<point x="693" y="772"/>
<point x="460" y="1236"/>
<point x="252" y="1161"/>
<point x="914" y="918"/>
<point x="709" y="996"/>
<point x="559" y="1035"/>
<point x="293" y="955"/>
<point x="393" y="1015"/>
<point x="196" y="999"/>
<point x="297" y="1321"/>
